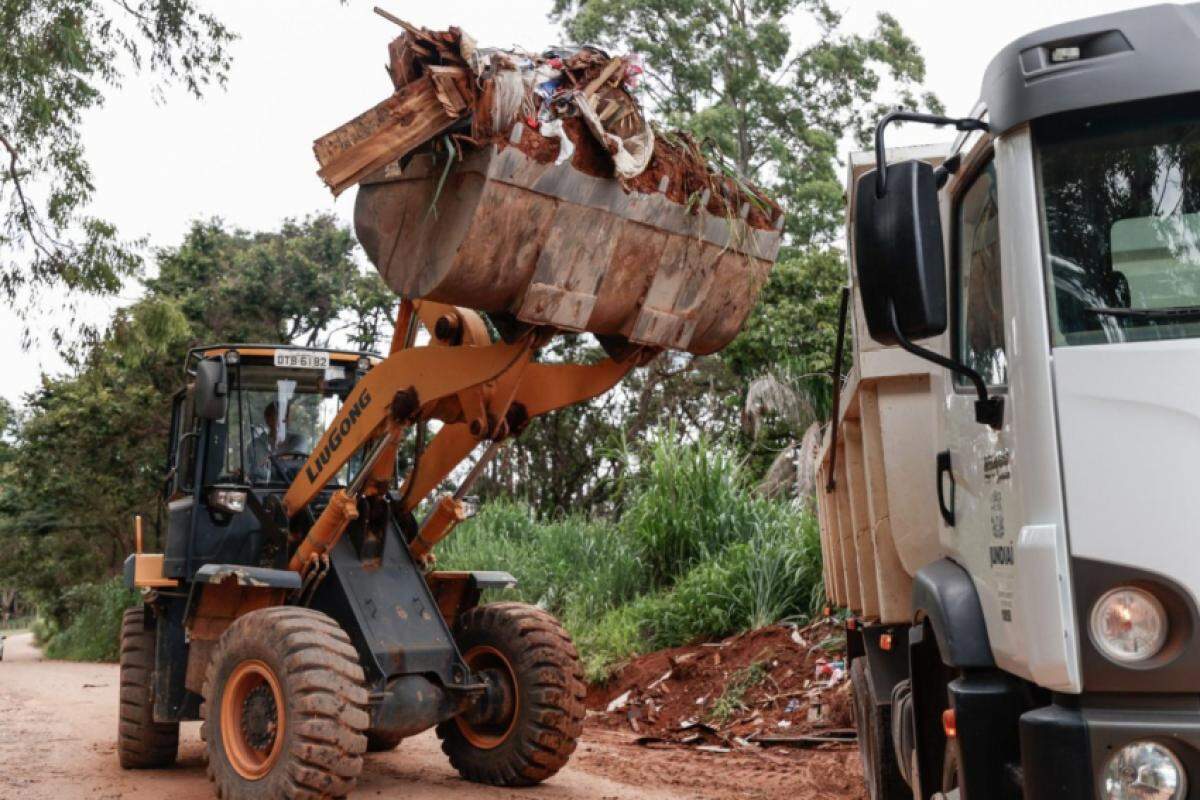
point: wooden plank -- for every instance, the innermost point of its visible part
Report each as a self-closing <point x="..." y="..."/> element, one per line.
<point x="390" y="130"/>
<point x="832" y="551"/>
<point x="895" y="584"/>
<point x="864" y="547"/>
<point x="846" y="535"/>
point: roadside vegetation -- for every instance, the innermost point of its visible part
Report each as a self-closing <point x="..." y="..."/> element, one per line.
<point x="695" y="553"/>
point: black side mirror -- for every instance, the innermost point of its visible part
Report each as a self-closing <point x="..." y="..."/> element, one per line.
<point x="212" y="389"/>
<point x="898" y="252"/>
<point x="900" y="260"/>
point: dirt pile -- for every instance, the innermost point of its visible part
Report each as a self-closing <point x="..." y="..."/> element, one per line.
<point x="775" y="686"/>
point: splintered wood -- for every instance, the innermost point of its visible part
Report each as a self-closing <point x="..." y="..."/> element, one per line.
<point x="430" y="98"/>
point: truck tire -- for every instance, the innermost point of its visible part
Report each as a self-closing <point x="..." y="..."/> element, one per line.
<point x="527" y="726"/>
<point x="378" y="742"/>
<point x="284" y="708"/>
<point x="881" y="773"/>
<point x="142" y="743"/>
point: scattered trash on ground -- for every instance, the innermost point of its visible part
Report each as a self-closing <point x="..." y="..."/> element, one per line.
<point x="778" y="686"/>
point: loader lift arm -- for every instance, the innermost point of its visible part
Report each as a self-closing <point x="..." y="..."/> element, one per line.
<point x="479" y="390"/>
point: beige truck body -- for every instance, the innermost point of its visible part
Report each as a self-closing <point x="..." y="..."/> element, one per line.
<point x="880" y="523"/>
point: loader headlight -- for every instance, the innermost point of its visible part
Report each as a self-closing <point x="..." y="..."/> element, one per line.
<point x="1144" y="771"/>
<point x="229" y="499"/>
<point x="1128" y="625"/>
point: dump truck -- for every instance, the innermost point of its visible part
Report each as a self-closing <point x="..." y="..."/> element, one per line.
<point x="295" y="606"/>
<point x="1006" y="498"/>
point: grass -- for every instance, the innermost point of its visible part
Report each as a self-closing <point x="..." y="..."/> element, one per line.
<point x="696" y="554"/>
<point x="94" y="611"/>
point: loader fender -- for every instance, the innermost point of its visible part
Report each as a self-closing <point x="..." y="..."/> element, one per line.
<point x="945" y="596"/>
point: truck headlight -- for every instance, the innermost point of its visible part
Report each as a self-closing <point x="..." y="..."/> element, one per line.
<point x="228" y="499"/>
<point x="1144" y="771"/>
<point x="1128" y="625"/>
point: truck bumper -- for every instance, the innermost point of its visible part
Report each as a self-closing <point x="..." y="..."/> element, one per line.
<point x="1065" y="748"/>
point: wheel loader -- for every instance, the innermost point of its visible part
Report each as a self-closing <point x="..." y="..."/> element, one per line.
<point x="294" y="607"/>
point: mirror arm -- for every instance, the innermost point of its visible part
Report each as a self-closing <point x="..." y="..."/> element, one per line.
<point x="959" y="123"/>
<point x="989" y="409"/>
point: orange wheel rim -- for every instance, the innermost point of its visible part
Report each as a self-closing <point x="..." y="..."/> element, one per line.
<point x="490" y="735"/>
<point x="253" y="718"/>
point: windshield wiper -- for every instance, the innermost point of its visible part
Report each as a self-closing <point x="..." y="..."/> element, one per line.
<point x="1168" y="313"/>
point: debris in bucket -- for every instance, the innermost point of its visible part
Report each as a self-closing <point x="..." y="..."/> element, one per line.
<point x="754" y="689"/>
<point x="564" y="104"/>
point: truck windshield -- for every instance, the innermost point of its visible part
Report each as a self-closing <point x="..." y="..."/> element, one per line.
<point x="1121" y="198"/>
<point x="275" y="417"/>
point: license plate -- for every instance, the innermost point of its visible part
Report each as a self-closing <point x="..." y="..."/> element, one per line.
<point x="301" y="359"/>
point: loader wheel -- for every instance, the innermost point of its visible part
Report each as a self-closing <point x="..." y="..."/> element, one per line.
<point x="141" y="742"/>
<point x="284" y="708"/>
<point x="378" y="742"/>
<point x="525" y="727"/>
<point x="881" y="773"/>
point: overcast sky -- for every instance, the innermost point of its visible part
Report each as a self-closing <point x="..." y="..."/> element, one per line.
<point x="302" y="67"/>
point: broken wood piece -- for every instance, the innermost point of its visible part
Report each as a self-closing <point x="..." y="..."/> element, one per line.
<point x="833" y="736"/>
<point x="387" y="132"/>
<point x="402" y="62"/>
<point x="390" y="17"/>
<point x="609" y="70"/>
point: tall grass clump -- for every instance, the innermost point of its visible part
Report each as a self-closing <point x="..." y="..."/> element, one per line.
<point x="688" y="500"/>
<point x="93" y="632"/>
<point x="696" y="554"/>
<point x="574" y="567"/>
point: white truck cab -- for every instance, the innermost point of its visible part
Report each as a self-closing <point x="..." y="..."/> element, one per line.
<point x="1012" y="507"/>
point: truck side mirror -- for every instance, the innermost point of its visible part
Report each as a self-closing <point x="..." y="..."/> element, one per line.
<point x="212" y="389"/>
<point x="898" y="252"/>
<point x="899" y="257"/>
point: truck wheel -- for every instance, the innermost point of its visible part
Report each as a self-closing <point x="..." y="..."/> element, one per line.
<point x="880" y="771"/>
<point x="525" y="727"/>
<point x="285" y="708"/>
<point x="382" y="742"/>
<point x="141" y="742"/>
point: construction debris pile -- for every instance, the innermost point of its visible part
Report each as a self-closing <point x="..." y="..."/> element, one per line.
<point x="775" y="686"/>
<point x="453" y="96"/>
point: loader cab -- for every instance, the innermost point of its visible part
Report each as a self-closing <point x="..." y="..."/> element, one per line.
<point x="241" y="430"/>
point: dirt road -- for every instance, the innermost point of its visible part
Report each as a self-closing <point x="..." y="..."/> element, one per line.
<point x="58" y="731"/>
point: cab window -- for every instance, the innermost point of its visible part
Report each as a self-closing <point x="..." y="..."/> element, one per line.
<point x="979" y="321"/>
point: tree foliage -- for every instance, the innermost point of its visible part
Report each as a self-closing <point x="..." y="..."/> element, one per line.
<point x="290" y="285"/>
<point x="778" y="105"/>
<point x="59" y="59"/>
<point x="89" y="450"/>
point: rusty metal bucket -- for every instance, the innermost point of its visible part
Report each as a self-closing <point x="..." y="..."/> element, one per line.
<point x="554" y="246"/>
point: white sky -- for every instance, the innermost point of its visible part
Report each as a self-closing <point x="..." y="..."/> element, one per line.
<point x="303" y="67"/>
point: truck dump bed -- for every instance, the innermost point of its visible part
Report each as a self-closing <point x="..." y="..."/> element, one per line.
<point x="879" y="524"/>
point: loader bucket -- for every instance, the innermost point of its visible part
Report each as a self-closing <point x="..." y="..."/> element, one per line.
<point x="501" y="231"/>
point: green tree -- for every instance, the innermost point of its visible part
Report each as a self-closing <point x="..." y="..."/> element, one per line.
<point x="88" y="452"/>
<point x="732" y="72"/>
<point x="290" y="285"/>
<point x="58" y="60"/>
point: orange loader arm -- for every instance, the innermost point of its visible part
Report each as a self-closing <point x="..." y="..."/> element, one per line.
<point x="479" y="390"/>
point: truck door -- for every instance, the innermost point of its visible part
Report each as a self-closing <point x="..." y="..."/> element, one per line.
<point x="977" y="481"/>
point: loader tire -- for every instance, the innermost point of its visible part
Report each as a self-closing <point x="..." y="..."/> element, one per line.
<point x="873" y="721"/>
<point x="379" y="742"/>
<point x="142" y="743"/>
<point x="284" y="708"/>
<point x="526" y="727"/>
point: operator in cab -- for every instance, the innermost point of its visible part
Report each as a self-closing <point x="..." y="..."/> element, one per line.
<point x="274" y="439"/>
